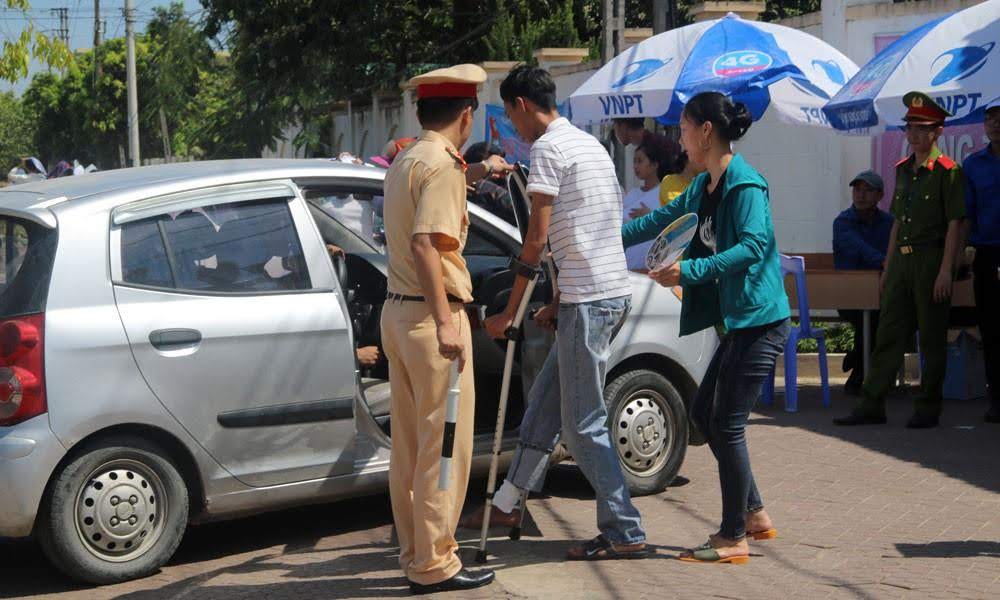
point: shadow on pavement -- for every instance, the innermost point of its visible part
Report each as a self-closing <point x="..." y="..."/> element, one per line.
<point x="956" y="549"/>
<point x="963" y="446"/>
<point x="25" y="572"/>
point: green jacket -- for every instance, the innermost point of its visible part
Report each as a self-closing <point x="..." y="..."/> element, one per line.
<point x="740" y="285"/>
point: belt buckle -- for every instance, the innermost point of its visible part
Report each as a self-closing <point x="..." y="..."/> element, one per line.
<point x="905" y="249"/>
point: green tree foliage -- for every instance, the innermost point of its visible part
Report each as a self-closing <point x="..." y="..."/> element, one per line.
<point x="298" y="57"/>
<point x="16" y="132"/>
<point x="517" y="31"/>
<point x="29" y="44"/>
<point x="81" y="115"/>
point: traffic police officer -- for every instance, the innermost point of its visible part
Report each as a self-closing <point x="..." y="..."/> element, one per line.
<point x="425" y="327"/>
<point x="916" y="282"/>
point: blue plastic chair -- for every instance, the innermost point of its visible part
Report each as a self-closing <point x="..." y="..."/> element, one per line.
<point x="796" y="266"/>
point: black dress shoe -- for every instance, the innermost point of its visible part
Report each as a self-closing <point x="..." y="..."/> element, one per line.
<point x="919" y="421"/>
<point x="463" y="580"/>
<point x="860" y="418"/>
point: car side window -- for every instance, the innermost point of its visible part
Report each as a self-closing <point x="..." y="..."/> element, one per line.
<point x="241" y="247"/>
<point x="481" y="243"/>
<point x="358" y="211"/>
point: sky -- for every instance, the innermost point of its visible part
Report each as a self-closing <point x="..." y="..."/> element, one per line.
<point x="81" y="24"/>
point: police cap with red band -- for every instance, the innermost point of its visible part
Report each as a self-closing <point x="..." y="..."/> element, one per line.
<point x="921" y="108"/>
<point x="459" y="81"/>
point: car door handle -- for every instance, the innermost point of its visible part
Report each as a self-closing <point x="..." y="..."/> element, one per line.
<point x="174" y="339"/>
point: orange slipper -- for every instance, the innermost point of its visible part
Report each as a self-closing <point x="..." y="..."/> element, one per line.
<point x="767" y="534"/>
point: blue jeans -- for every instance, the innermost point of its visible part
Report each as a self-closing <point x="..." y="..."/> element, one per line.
<point x="569" y="389"/>
<point x="731" y="386"/>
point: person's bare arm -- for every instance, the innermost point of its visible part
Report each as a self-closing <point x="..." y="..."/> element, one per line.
<point x="532" y="252"/>
<point x="427" y="260"/>
<point x="493" y="165"/>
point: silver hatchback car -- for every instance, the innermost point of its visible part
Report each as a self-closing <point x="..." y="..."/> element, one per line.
<point x="176" y="345"/>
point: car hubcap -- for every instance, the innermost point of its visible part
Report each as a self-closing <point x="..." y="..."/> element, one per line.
<point x="119" y="512"/>
<point x="641" y="434"/>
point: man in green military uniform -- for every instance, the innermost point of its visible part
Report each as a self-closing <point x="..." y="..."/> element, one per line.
<point x="916" y="283"/>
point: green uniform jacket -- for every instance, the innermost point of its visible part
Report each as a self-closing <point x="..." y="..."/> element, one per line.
<point x="924" y="202"/>
<point x="740" y="285"/>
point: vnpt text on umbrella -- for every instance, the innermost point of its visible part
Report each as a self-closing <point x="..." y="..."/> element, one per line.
<point x="956" y="103"/>
<point x="630" y="104"/>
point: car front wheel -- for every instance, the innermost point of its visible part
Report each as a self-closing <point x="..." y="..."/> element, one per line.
<point x="116" y="512"/>
<point x="649" y="429"/>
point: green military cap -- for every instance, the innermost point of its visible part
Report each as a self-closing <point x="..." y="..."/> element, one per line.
<point x="921" y="108"/>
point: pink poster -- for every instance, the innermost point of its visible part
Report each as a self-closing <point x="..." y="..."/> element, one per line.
<point x="890" y="147"/>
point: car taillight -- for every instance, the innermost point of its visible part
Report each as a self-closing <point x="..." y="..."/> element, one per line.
<point x="22" y="377"/>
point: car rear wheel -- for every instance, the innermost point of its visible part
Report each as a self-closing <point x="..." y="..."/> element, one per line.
<point x="649" y="429"/>
<point x="115" y="512"/>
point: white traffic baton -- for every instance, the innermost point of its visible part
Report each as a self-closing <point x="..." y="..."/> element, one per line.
<point x="450" y="418"/>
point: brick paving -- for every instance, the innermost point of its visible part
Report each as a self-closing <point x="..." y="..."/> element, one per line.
<point x="875" y="512"/>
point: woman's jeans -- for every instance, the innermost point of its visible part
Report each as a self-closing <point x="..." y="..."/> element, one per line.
<point x="744" y="360"/>
<point x="569" y="390"/>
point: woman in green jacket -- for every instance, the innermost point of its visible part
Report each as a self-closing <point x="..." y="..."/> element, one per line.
<point x="731" y="276"/>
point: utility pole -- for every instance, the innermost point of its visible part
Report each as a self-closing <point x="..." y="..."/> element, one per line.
<point x="613" y="18"/>
<point x="98" y="69"/>
<point x="664" y="18"/>
<point x="63" y="31"/>
<point x="130" y="84"/>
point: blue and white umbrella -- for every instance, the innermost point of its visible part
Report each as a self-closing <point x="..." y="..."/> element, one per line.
<point x="955" y="59"/>
<point x="762" y="65"/>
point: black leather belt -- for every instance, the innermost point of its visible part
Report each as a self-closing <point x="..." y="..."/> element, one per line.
<point x="910" y="248"/>
<point x="404" y="298"/>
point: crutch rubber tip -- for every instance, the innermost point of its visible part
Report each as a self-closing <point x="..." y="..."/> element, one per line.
<point x="515" y="533"/>
<point x="481" y="557"/>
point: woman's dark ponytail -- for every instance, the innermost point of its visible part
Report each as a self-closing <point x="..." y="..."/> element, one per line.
<point x="730" y="119"/>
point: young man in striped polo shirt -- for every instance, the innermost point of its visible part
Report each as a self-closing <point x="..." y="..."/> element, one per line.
<point x="576" y="205"/>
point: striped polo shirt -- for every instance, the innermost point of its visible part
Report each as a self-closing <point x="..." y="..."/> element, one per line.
<point x="585" y="230"/>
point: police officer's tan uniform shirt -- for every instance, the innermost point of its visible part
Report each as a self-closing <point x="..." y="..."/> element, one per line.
<point x="425" y="193"/>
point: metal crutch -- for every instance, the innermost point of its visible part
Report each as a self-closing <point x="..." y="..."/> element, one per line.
<point x="512" y="334"/>
<point x="515" y="531"/>
<point x="450" y="418"/>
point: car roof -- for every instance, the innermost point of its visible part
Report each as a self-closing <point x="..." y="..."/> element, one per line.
<point x="33" y="200"/>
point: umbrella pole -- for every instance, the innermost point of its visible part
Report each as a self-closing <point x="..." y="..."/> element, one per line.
<point x="512" y="334"/>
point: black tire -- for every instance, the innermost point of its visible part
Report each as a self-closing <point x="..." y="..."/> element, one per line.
<point x="652" y="439"/>
<point x="88" y="497"/>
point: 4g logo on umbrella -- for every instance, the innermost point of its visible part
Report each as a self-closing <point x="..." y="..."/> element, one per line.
<point x="741" y="62"/>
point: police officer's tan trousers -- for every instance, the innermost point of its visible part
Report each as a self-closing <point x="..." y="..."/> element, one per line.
<point x="425" y="516"/>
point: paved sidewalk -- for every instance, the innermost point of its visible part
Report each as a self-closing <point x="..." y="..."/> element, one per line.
<point x="873" y="512"/>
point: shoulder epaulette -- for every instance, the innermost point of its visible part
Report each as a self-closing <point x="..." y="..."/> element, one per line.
<point x="458" y="158"/>
<point x="946" y="162"/>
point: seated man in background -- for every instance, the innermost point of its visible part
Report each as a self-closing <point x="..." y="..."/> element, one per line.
<point x="860" y="240"/>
